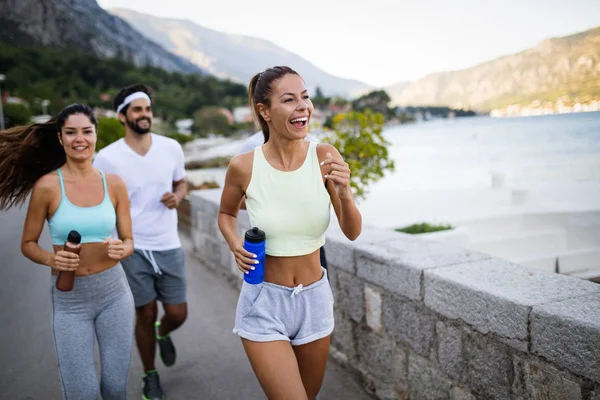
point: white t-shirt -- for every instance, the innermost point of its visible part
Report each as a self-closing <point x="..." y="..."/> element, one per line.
<point x="147" y="178"/>
<point x="258" y="139"/>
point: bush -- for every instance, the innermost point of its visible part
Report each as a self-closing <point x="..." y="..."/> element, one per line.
<point x="109" y="130"/>
<point x="15" y="114"/>
<point x="416" y="229"/>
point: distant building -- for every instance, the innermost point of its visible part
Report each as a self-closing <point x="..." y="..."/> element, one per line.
<point x="227" y="114"/>
<point x="242" y="114"/>
<point x="184" y="126"/>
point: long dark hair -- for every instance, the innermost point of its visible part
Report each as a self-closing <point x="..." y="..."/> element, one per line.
<point x="259" y="90"/>
<point x="29" y="152"/>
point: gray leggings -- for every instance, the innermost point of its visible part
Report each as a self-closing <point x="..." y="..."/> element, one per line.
<point x="100" y="305"/>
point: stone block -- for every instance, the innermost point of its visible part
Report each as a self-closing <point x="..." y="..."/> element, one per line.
<point x="459" y="393"/>
<point x="341" y="251"/>
<point x="340" y="255"/>
<point x="496" y="295"/>
<point x="379" y="355"/>
<point x="595" y="395"/>
<point x="206" y="200"/>
<point x="488" y="367"/>
<point x="409" y="322"/>
<point x="343" y="336"/>
<point x="373" y="309"/>
<point x="398" y="265"/>
<point x="568" y="333"/>
<point x="207" y="223"/>
<point x="425" y="381"/>
<point x="450" y="350"/>
<point x="536" y="381"/>
<point x="350" y="298"/>
<point x="212" y="254"/>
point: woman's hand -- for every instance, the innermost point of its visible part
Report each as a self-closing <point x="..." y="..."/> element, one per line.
<point x="243" y="257"/>
<point x="116" y="248"/>
<point x="65" y="261"/>
<point x="339" y="175"/>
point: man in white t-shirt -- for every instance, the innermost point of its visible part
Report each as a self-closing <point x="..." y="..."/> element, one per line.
<point x="152" y="167"/>
<point x="258" y="139"/>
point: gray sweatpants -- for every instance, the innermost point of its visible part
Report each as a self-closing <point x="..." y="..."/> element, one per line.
<point x="99" y="305"/>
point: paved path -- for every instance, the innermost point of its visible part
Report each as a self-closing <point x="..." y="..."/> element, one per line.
<point x="211" y="361"/>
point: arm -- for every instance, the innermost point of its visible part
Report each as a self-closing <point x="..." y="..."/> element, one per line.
<point x="123" y="247"/>
<point x="34" y="223"/>
<point x="180" y="188"/>
<point x="231" y="197"/>
<point x="337" y="175"/>
<point x="174" y="198"/>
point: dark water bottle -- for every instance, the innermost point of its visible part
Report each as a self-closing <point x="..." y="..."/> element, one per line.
<point x="254" y="242"/>
<point x="65" y="279"/>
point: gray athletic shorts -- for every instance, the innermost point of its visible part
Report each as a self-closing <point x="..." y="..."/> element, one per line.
<point x="267" y="312"/>
<point x="156" y="275"/>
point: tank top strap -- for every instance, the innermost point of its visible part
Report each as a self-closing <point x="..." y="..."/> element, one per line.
<point x="104" y="184"/>
<point x="259" y="159"/>
<point x="62" y="183"/>
<point x="312" y="152"/>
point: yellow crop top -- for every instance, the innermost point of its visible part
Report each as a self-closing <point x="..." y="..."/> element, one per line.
<point x="291" y="207"/>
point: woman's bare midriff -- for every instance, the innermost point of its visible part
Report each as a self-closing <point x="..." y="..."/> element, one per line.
<point x="93" y="259"/>
<point x="293" y="271"/>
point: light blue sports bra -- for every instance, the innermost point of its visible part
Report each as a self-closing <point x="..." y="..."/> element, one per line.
<point x="94" y="224"/>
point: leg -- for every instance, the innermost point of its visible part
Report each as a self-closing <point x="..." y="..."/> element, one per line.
<point x="312" y="360"/>
<point x="276" y="368"/>
<point x="144" y="333"/>
<point x="114" y="330"/>
<point x="174" y="317"/>
<point x="171" y="291"/>
<point x="141" y="278"/>
<point x="74" y="343"/>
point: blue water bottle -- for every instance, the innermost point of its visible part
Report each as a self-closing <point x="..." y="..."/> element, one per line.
<point x="254" y="242"/>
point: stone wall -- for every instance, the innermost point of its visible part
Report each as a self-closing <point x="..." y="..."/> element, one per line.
<point x="424" y="320"/>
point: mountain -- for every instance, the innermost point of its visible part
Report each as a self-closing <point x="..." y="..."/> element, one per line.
<point x="232" y="56"/>
<point x="83" y="25"/>
<point x="565" y="68"/>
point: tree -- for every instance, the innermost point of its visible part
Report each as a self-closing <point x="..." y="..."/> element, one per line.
<point x="359" y="139"/>
<point x="376" y="101"/>
<point x="211" y="120"/>
<point x="319" y="100"/>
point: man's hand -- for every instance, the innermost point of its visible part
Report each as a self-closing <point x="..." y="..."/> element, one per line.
<point x="171" y="200"/>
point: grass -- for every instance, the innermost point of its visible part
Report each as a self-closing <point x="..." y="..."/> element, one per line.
<point x="416" y="229"/>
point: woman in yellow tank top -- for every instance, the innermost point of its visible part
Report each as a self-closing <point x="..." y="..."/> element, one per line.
<point x="289" y="185"/>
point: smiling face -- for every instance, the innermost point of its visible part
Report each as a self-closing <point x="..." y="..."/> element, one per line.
<point x="290" y="107"/>
<point x="78" y="137"/>
<point x="138" y="117"/>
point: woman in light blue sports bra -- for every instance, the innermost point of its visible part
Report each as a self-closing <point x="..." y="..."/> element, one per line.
<point x="289" y="185"/>
<point x="54" y="164"/>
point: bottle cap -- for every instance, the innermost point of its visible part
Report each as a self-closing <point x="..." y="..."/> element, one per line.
<point x="74" y="237"/>
<point x="254" y="235"/>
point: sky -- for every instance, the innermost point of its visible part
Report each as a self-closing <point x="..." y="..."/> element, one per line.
<point x="382" y="42"/>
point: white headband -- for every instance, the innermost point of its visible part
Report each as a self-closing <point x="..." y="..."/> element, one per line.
<point x="132" y="97"/>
